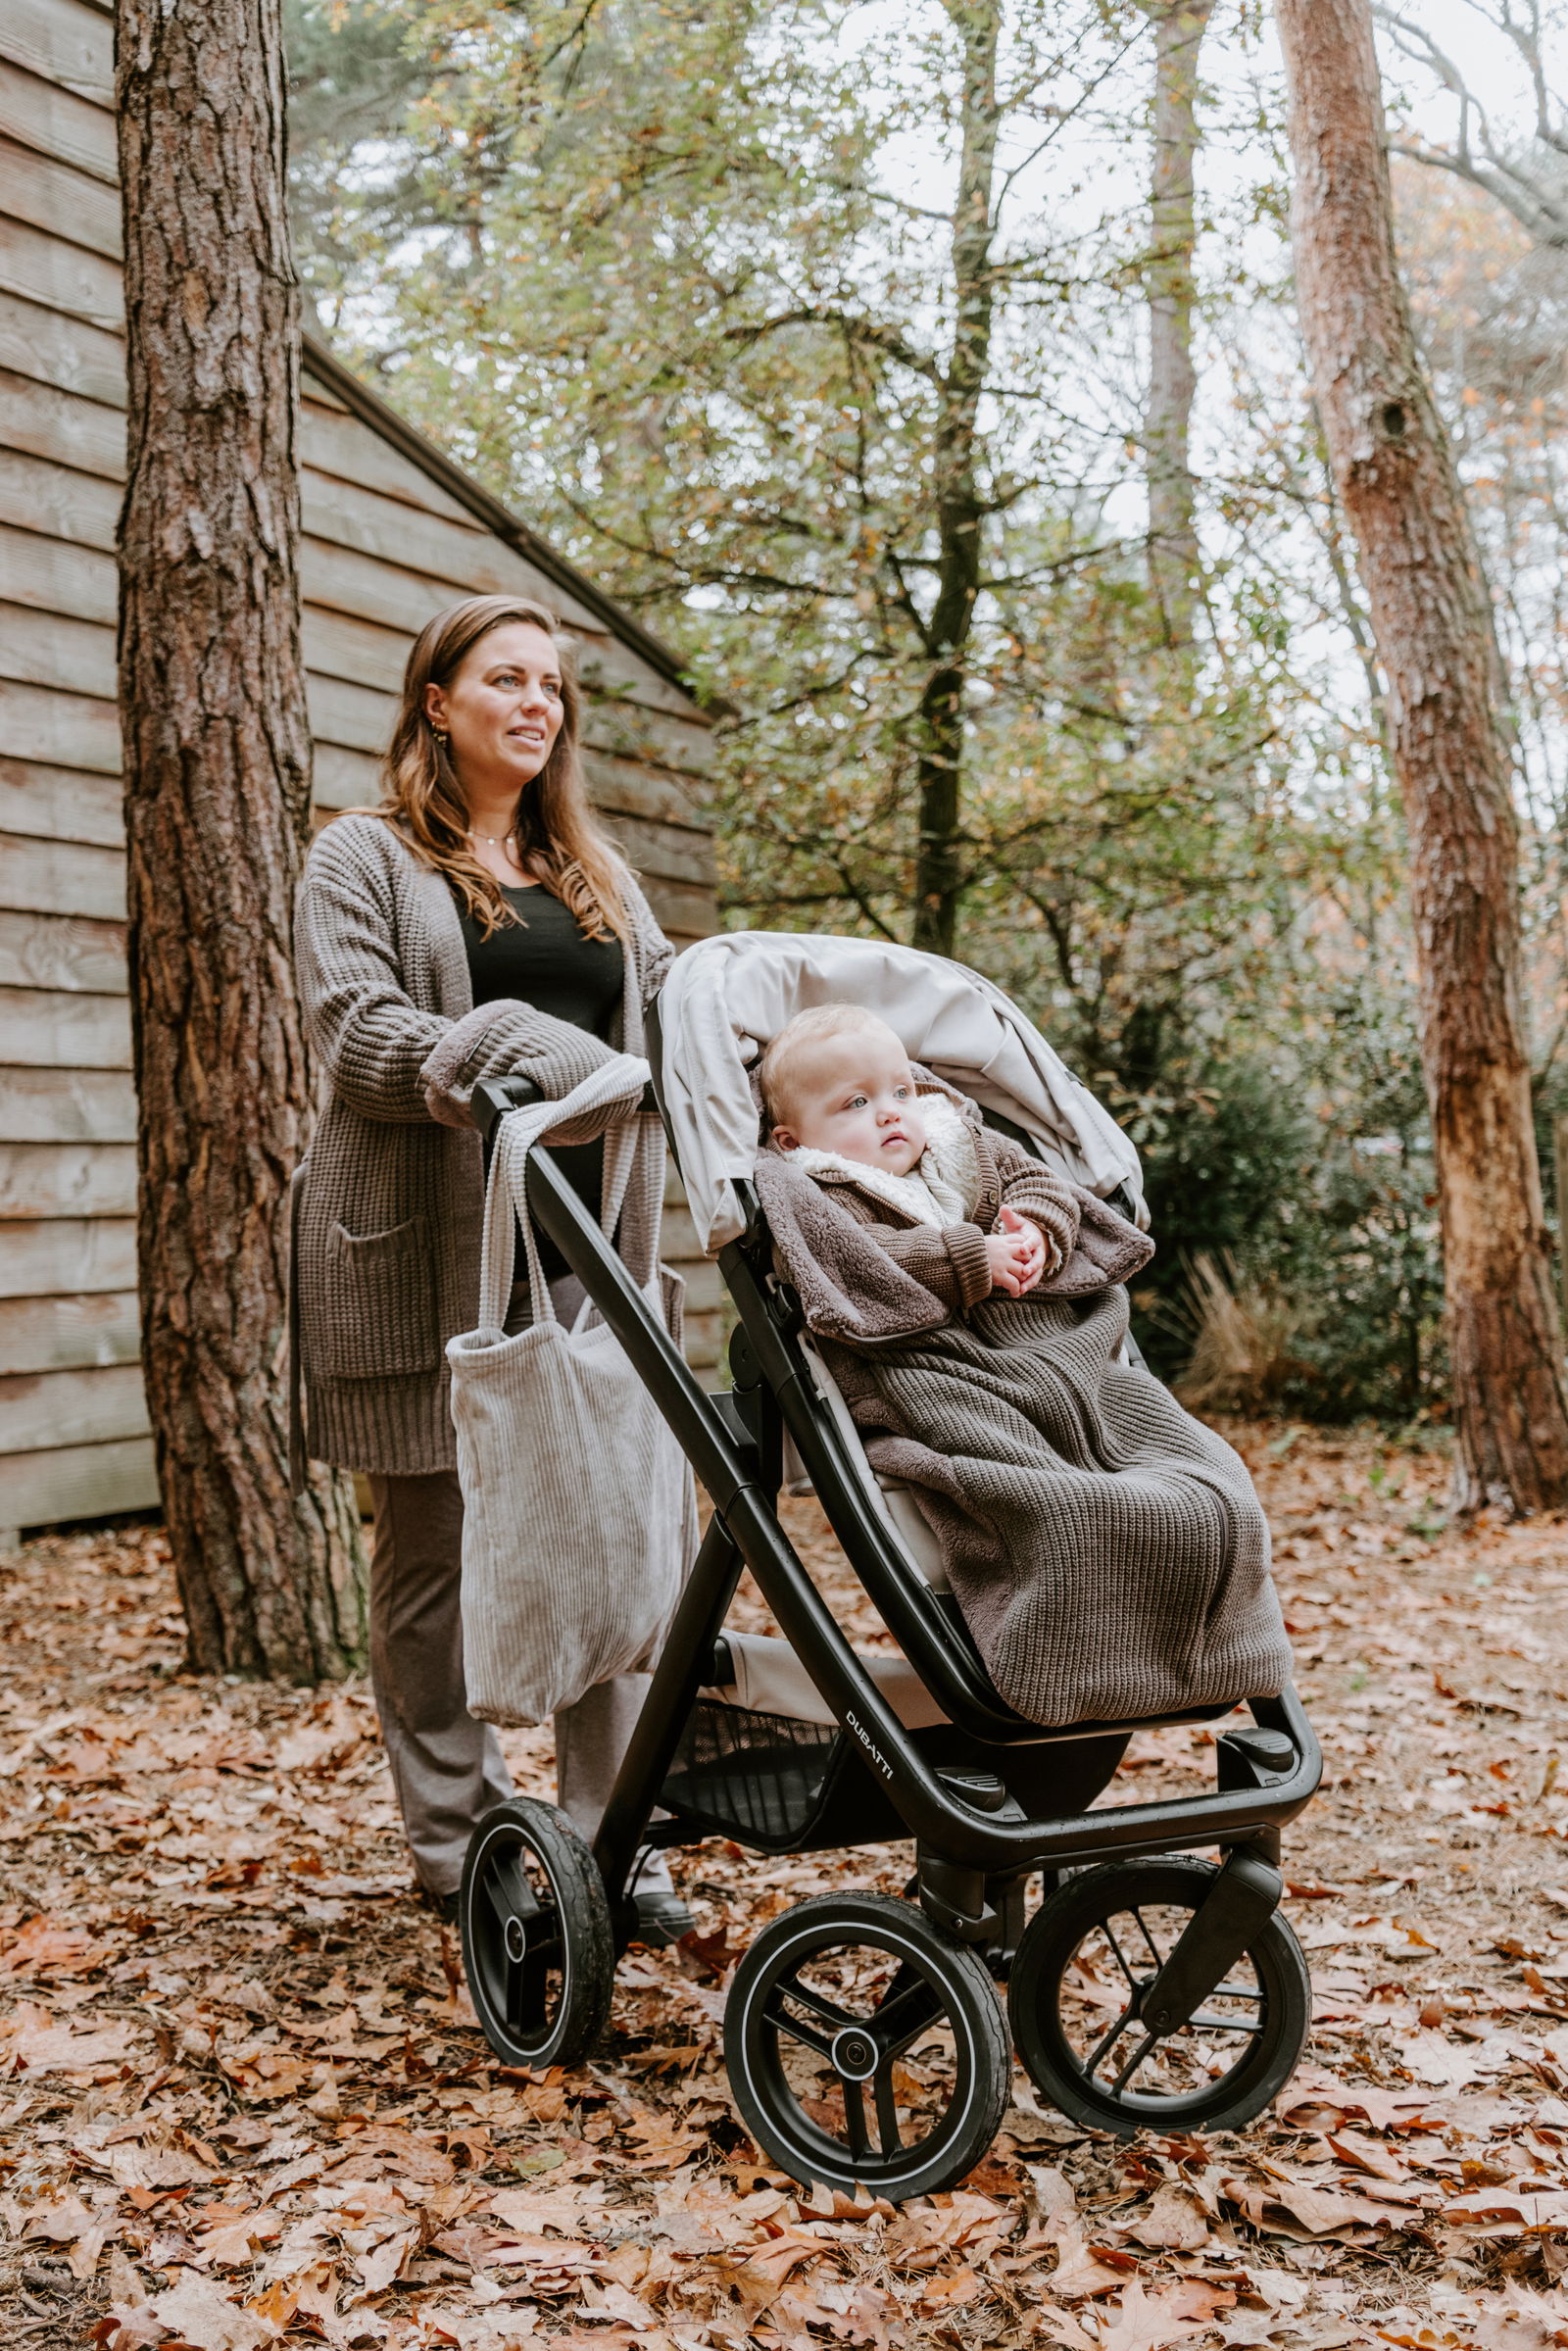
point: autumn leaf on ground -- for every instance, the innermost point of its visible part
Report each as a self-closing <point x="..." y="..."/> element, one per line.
<point x="258" y="2105"/>
<point x="203" y="2315"/>
<point x="1149" y="2321"/>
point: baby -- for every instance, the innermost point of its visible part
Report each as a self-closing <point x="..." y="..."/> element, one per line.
<point x="962" y="1209"/>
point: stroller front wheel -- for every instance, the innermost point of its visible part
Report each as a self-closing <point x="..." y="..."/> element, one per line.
<point x="866" y="2050"/>
<point x="537" y="1944"/>
<point x="1084" y="1968"/>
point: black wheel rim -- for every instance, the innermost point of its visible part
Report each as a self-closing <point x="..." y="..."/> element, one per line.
<point x="858" y="2053"/>
<point x="520" y="1964"/>
<point x="1098" y="2030"/>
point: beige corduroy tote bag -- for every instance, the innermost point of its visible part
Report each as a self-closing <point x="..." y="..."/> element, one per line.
<point x="579" y="1517"/>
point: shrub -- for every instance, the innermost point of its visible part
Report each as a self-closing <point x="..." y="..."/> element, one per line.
<point x="1244" y="1352"/>
<point x="1294" y="1209"/>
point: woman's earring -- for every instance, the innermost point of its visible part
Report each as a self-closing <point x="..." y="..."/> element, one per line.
<point x="440" y="733"/>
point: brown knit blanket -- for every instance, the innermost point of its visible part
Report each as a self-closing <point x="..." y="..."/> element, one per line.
<point x="1108" y="1552"/>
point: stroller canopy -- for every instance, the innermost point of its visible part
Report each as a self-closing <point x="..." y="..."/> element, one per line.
<point x="728" y="996"/>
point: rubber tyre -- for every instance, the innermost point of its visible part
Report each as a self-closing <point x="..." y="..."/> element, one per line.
<point x="936" y="1982"/>
<point x="541" y="1979"/>
<point x="1280" y="1991"/>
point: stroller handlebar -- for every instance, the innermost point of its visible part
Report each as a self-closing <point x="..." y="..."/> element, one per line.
<point x="493" y="1098"/>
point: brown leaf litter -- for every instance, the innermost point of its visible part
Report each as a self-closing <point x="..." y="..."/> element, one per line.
<point x="245" y="2103"/>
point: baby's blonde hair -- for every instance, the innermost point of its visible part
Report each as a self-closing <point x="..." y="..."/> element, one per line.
<point x="807" y="1028"/>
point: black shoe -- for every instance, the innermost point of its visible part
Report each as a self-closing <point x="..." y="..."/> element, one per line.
<point x="444" y="1906"/>
<point x="663" y="1918"/>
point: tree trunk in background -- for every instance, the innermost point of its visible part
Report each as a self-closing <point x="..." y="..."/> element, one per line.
<point x="961" y="509"/>
<point x="1394" y="473"/>
<point x="217" y="775"/>
<point x="1173" y="556"/>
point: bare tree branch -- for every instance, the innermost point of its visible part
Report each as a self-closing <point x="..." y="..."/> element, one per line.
<point x="1537" y="201"/>
<point x="866" y="332"/>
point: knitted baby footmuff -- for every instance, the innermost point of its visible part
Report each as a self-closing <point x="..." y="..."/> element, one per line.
<point x="579" y="1517"/>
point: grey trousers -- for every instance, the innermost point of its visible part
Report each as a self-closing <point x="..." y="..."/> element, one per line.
<point x="448" y="1769"/>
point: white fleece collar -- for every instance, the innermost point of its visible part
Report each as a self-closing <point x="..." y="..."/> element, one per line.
<point x="942" y="1187"/>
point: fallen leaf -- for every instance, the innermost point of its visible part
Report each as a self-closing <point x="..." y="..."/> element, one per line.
<point x="1175" y="2222"/>
<point x="1430" y="2058"/>
<point x="388" y="2260"/>
<point x="1521" y="2320"/>
<point x="32" y="2040"/>
<point x="1351" y="2146"/>
<point x="1058" y="2328"/>
<point x="1150" y="2321"/>
<point x="1320" y="2212"/>
<point x="1515" y="2207"/>
<point x="60" y="2221"/>
<point x="758" y="2279"/>
<point x="230" y="2243"/>
<point x="201" y="2314"/>
<point x="129" y="2328"/>
<point x="42" y="1946"/>
<point x="951" y="2293"/>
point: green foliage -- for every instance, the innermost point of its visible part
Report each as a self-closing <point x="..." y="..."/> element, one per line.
<point x="1367" y="1239"/>
<point x="682" y="280"/>
<point x="1313" y="1178"/>
<point x="1227" y="1176"/>
<point x="649" y="269"/>
<point x="353" y="78"/>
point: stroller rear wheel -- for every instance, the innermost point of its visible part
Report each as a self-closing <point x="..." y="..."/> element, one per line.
<point x="864" y="2049"/>
<point x="1085" y="1966"/>
<point x="537" y="1944"/>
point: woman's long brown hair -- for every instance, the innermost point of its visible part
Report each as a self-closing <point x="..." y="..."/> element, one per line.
<point x="557" y="837"/>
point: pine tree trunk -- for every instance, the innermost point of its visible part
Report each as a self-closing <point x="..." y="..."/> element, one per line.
<point x="218" y="776"/>
<point x="1173" y="554"/>
<point x="1394" y="469"/>
<point x="961" y="512"/>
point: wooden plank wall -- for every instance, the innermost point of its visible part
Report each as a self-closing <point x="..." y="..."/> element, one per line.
<point x="386" y="546"/>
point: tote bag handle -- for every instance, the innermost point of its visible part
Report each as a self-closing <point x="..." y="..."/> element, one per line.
<point x="618" y="1080"/>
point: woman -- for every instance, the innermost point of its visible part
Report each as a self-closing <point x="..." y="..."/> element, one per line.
<point x="476" y="925"/>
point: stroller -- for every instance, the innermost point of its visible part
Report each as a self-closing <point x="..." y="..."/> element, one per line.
<point x="864" y="2033"/>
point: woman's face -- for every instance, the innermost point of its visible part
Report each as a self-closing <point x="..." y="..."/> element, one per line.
<point x="501" y="709"/>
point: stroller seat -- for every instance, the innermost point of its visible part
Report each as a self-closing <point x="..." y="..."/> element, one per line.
<point x="763" y="1675"/>
<point x="891" y="1498"/>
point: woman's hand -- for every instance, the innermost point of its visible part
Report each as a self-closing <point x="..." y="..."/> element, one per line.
<point x="1016" y="1254"/>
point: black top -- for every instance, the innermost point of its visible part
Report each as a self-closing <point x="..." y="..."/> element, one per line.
<point x="543" y="959"/>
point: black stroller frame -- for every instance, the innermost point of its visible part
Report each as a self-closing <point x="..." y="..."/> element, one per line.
<point x="988" y="1798"/>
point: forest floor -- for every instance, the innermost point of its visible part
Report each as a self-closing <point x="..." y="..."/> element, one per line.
<point x="244" y="2099"/>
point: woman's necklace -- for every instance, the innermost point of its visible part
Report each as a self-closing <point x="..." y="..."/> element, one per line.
<point x="508" y="845"/>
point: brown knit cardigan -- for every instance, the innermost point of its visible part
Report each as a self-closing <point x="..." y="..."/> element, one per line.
<point x="389" y="1200"/>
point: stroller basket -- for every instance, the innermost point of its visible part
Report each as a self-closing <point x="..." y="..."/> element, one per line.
<point x="754" y="1776"/>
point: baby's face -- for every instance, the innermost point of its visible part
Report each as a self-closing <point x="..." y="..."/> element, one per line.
<point x="854" y="1094"/>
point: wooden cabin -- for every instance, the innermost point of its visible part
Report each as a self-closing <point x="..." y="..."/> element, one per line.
<point x="393" y="531"/>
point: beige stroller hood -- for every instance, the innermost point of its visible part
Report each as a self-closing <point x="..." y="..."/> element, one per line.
<point x="728" y="996"/>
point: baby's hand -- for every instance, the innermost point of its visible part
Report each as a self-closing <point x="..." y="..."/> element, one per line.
<point x="1016" y="1255"/>
<point x="1003" y="1257"/>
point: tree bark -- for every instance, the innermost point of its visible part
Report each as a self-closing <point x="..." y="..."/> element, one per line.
<point x="217" y="783"/>
<point x="1173" y="555"/>
<point x="1394" y="473"/>
<point x="960" y="506"/>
